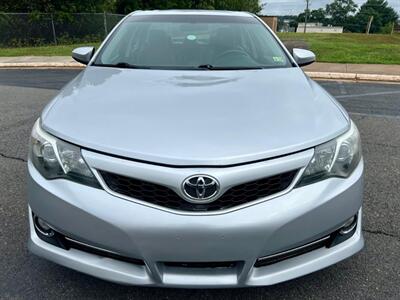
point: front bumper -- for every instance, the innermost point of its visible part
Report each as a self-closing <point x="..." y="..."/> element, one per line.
<point x="158" y="237"/>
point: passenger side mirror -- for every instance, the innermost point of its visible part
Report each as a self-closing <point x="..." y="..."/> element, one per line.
<point x="303" y="57"/>
<point x="83" y="54"/>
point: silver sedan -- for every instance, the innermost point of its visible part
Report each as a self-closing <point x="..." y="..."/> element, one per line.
<point x="193" y="151"/>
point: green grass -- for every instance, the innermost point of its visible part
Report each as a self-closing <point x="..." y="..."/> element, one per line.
<point x="350" y="47"/>
<point x="60" y="50"/>
<point x="335" y="48"/>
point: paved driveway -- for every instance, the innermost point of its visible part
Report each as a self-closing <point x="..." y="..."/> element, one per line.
<point x="372" y="274"/>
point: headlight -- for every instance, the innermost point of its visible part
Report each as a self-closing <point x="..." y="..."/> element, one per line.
<point x="54" y="158"/>
<point x="337" y="158"/>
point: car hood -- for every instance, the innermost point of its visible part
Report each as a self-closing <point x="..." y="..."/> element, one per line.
<point x="194" y="118"/>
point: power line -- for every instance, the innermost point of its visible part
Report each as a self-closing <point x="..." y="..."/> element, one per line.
<point x="306" y="16"/>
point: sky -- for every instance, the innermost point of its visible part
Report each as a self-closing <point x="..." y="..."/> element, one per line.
<point x="294" y="7"/>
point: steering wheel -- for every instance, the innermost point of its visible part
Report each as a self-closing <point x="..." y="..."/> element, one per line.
<point x="232" y="52"/>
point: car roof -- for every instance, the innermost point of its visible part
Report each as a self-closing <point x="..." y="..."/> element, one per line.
<point x="191" y="12"/>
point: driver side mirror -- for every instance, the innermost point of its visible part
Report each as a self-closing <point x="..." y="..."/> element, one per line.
<point x="83" y="54"/>
<point x="303" y="57"/>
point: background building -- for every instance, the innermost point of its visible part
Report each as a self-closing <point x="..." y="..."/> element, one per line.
<point x="271" y="21"/>
<point x="318" y="27"/>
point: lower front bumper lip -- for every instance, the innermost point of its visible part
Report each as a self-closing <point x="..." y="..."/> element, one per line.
<point x="134" y="274"/>
<point x="274" y="258"/>
<point x="157" y="237"/>
<point x="95" y="265"/>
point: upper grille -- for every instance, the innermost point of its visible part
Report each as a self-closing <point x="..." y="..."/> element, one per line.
<point x="163" y="196"/>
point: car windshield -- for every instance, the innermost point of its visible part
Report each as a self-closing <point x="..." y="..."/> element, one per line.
<point x="192" y="42"/>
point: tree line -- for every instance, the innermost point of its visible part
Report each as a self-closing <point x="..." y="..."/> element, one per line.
<point x="346" y="13"/>
<point x="123" y="6"/>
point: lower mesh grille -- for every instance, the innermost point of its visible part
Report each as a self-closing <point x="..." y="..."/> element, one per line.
<point x="202" y="265"/>
<point x="163" y="196"/>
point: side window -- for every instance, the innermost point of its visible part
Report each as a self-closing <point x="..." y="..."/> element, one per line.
<point x="125" y="45"/>
<point x="132" y="47"/>
<point x="248" y="43"/>
<point x="268" y="51"/>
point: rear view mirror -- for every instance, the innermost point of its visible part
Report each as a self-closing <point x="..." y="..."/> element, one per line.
<point x="303" y="57"/>
<point x="83" y="54"/>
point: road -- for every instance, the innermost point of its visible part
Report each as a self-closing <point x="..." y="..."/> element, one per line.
<point x="374" y="273"/>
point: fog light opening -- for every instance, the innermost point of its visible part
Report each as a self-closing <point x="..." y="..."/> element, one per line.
<point x="43" y="227"/>
<point x="348" y="226"/>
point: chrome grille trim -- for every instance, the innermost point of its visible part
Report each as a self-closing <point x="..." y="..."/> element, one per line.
<point x="182" y="212"/>
<point x="173" y="177"/>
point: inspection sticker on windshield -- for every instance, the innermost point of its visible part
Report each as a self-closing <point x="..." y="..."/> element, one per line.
<point x="191" y="37"/>
<point x="277" y="58"/>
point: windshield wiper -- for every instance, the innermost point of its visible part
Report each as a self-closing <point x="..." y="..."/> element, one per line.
<point x="206" y="66"/>
<point x="211" y="67"/>
<point x="124" y="65"/>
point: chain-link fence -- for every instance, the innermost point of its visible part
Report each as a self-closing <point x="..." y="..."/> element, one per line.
<point x="36" y="29"/>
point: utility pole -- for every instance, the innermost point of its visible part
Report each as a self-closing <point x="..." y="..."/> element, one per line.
<point x="371" y="18"/>
<point x="306" y="16"/>
<point x="53" y="29"/>
<point x="105" y="23"/>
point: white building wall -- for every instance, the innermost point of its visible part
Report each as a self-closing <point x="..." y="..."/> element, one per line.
<point x="318" y="28"/>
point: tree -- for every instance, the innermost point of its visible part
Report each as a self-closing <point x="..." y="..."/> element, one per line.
<point x="123" y="6"/>
<point x="241" y="5"/>
<point x="383" y="15"/>
<point x="126" y="6"/>
<point x="301" y="17"/>
<point x="28" y="6"/>
<point x="316" y="16"/>
<point x="340" y="11"/>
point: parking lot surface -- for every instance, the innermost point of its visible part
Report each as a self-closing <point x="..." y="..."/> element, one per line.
<point x="374" y="273"/>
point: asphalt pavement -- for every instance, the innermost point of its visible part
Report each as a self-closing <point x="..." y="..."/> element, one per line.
<point x="374" y="273"/>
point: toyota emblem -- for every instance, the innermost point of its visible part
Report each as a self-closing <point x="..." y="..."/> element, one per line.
<point x="200" y="188"/>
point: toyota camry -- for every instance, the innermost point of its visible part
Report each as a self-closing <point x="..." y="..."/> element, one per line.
<point x="193" y="151"/>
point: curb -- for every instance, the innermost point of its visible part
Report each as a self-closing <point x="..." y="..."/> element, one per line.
<point x="41" y="65"/>
<point x="314" y="75"/>
<point x="354" y="76"/>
